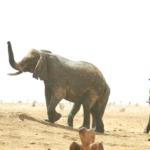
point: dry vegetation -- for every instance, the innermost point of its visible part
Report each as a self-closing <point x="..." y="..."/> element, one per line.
<point x="22" y="128"/>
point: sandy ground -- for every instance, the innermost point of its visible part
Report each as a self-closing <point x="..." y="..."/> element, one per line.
<point x="22" y="128"/>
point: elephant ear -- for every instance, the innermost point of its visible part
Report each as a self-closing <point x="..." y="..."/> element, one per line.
<point x="41" y="69"/>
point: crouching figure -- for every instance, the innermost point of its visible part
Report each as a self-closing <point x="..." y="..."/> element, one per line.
<point x="87" y="137"/>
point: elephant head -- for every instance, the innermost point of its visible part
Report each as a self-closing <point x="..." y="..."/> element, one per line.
<point x="34" y="62"/>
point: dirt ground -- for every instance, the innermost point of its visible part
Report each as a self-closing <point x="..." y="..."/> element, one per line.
<point x="22" y="128"/>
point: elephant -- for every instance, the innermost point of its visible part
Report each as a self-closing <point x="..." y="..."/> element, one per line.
<point x="77" y="81"/>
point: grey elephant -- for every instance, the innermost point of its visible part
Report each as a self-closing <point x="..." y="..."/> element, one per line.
<point x="76" y="81"/>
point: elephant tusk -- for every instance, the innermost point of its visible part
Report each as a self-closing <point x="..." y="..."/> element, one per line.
<point x="16" y="73"/>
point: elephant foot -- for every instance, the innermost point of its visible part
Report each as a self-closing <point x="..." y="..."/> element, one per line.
<point x="57" y="116"/>
<point x="46" y="120"/>
<point x="53" y="118"/>
<point x="100" y="127"/>
<point x="99" y="130"/>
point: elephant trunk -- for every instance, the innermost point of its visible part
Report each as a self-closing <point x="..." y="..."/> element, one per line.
<point x="12" y="60"/>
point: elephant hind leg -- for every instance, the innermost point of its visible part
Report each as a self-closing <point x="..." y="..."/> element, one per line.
<point x="93" y="119"/>
<point x="86" y="118"/>
<point x="98" y="122"/>
<point x="98" y="110"/>
<point x="89" y="101"/>
<point x="74" y="110"/>
<point x="103" y="101"/>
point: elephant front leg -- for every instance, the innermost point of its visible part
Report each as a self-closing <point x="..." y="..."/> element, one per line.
<point x="52" y="114"/>
<point x="48" y="97"/>
<point x="74" y="110"/>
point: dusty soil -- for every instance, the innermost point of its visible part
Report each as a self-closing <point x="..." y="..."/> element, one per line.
<point x="22" y="127"/>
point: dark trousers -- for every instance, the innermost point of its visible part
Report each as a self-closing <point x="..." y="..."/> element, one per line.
<point x="148" y="126"/>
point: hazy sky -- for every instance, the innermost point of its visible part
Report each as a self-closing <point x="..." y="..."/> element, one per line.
<point x="112" y="34"/>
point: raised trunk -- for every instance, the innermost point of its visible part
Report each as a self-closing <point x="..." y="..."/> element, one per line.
<point x="12" y="60"/>
<point x="11" y="57"/>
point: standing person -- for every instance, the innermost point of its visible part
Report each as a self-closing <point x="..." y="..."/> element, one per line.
<point x="147" y="129"/>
